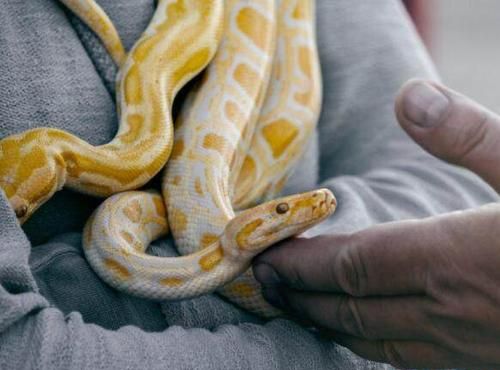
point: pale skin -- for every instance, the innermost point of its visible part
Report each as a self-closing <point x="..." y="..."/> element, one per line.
<point x="420" y="293"/>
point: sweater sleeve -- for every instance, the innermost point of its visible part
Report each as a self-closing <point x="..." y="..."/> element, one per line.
<point x="368" y="50"/>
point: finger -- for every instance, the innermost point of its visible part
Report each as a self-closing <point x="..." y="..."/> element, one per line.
<point x="451" y="127"/>
<point x="399" y="318"/>
<point x="389" y="259"/>
<point x="408" y="354"/>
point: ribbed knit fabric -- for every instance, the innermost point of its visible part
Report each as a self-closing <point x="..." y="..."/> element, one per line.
<point x="55" y="313"/>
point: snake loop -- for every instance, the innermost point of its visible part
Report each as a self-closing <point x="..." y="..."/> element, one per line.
<point x="223" y="130"/>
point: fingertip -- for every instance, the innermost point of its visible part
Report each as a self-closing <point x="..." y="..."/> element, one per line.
<point x="420" y="104"/>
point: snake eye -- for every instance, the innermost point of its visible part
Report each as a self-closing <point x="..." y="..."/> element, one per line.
<point x="282" y="208"/>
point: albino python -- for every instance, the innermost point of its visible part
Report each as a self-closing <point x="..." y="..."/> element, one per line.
<point x="229" y="150"/>
<point x="226" y="146"/>
<point x="180" y="41"/>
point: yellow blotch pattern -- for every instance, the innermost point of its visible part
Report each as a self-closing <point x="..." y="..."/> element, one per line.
<point x="234" y="113"/>
<point x="247" y="173"/>
<point x="212" y="259"/>
<point x="143" y="49"/>
<point x="246" y="231"/>
<point x="171" y="281"/>
<point x="117" y="268"/>
<point x="305" y="62"/>
<point x="128" y="237"/>
<point x="176" y="10"/>
<point x="133" y="211"/>
<point x="176" y="180"/>
<point x="254" y="25"/>
<point x="215" y="142"/>
<point x="194" y="64"/>
<point x="197" y="186"/>
<point x="247" y="78"/>
<point x="79" y="163"/>
<point x="178" y="218"/>
<point x="159" y="206"/>
<point x="177" y="150"/>
<point x="135" y="122"/>
<point x="279" y="135"/>
<point x="208" y="239"/>
<point x="35" y="159"/>
<point x="304" y="203"/>
<point x="301" y="11"/>
<point x="133" y="86"/>
<point x="102" y="190"/>
<point x="304" y="98"/>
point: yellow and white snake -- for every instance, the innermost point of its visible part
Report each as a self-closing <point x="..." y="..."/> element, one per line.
<point x="179" y="42"/>
<point x="236" y="140"/>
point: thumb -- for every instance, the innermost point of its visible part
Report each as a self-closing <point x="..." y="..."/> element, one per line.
<point x="451" y="127"/>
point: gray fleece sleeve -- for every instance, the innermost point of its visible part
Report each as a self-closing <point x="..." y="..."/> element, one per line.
<point x="376" y="171"/>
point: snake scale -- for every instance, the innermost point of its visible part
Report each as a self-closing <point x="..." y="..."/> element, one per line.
<point x="236" y="140"/>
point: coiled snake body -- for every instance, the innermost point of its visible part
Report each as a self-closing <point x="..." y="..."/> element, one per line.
<point x="236" y="141"/>
<point x="36" y="163"/>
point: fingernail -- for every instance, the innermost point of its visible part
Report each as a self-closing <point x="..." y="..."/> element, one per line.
<point x="424" y="105"/>
<point x="266" y="275"/>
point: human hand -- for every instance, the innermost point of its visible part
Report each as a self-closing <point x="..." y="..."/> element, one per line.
<point x="423" y="293"/>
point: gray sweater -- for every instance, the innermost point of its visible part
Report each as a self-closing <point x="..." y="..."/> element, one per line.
<point x="54" y="311"/>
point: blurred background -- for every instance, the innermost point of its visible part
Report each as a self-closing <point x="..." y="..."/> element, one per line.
<point x="463" y="37"/>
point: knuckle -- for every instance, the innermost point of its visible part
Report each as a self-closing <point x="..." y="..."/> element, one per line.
<point x="296" y="279"/>
<point x="349" y="270"/>
<point x="474" y="136"/>
<point x="349" y="316"/>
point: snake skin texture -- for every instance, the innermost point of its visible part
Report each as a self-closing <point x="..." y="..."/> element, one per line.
<point x="240" y="132"/>
<point x="180" y="41"/>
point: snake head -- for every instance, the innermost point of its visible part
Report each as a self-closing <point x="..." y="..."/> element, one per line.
<point x="259" y="227"/>
<point x="28" y="176"/>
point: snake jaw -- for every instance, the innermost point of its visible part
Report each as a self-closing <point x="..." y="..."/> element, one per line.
<point x="260" y="227"/>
